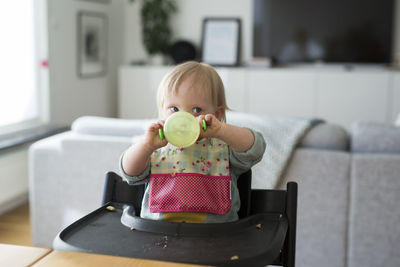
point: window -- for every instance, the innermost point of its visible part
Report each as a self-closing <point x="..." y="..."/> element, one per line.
<point x="20" y="96"/>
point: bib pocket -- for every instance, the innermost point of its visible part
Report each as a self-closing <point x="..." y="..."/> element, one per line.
<point x="190" y="192"/>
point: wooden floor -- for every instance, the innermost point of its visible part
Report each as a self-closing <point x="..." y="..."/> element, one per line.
<point x="15" y="227"/>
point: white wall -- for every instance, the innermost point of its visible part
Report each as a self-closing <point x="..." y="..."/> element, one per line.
<point x="133" y="49"/>
<point x="71" y="96"/>
<point x="187" y="24"/>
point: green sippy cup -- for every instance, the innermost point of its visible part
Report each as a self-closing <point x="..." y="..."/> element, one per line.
<point x="181" y="129"/>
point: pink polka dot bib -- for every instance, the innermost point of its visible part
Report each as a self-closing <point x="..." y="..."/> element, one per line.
<point x="193" y="179"/>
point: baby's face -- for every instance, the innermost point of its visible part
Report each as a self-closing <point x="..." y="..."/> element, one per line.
<point x="196" y="101"/>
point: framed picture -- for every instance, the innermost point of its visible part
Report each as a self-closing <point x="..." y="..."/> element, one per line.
<point x="221" y="41"/>
<point x="92" y="44"/>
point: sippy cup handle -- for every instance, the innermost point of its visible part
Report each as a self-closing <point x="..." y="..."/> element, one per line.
<point x="204" y="125"/>
<point x="161" y="134"/>
<point x="161" y="131"/>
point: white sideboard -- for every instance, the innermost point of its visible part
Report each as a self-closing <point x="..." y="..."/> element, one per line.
<point x="332" y="92"/>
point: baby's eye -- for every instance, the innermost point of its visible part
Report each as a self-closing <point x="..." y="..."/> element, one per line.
<point x="174" y="109"/>
<point x="196" y="110"/>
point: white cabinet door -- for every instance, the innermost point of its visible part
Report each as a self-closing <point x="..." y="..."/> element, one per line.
<point x="281" y="92"/>
<point x="345" y="97"/>
<point x="396" y="98"/>
<point x="137" y="91"/>
<point x="235" y="88"/>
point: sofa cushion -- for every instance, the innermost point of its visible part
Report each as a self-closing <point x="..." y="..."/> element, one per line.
<point x="322" y="213"/>
<point x="374" y="137"/>
<point x="326" y="136"/>
<point x="374" y="233"/>
<point x="94" y="125"/>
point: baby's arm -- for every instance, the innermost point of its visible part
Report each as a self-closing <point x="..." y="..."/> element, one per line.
<point x="136" y="158"/>
<point x="238" y="138"/>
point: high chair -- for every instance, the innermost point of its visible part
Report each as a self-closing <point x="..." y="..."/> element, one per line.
<point x="265" y="233"/>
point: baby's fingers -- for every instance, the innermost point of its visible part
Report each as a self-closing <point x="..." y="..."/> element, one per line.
<point x="202" y="121"/>
<point x="161" y="123"/>
<point x="155" y="126"/>
<point x="210" y="118"/>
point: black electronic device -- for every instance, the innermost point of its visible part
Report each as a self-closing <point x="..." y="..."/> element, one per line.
<point x="340" y="31"/>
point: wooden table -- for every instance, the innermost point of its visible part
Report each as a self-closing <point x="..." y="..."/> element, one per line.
<point x="11" y="255"/>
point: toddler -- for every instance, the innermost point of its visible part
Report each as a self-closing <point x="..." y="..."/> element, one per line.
<point x="196" y="184"/>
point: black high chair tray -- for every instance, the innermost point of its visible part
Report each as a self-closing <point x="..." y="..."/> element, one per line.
<point x="252" y="241"/>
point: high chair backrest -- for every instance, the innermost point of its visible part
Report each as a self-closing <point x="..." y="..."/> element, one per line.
<point x="282" y="202"/>
<point x="244" y="186"/>
<point x="118" y="190"/>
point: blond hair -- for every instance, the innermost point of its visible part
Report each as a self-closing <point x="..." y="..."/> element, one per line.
<point x="202" y="74"/>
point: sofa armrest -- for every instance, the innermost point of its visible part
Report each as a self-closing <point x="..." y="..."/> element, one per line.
<point x="94" y="125"/>
<point x="374" y="137"/>
<point x="66" y="179"/>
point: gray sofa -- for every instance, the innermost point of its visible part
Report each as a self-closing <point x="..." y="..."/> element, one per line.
<point x="349" y="186"/>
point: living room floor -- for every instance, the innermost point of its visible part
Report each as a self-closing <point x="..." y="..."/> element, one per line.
<point x="15" y="227"/>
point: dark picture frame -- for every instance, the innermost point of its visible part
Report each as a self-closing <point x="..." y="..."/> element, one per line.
<point x="221" y="41"/>
<point x="92" y="44"/>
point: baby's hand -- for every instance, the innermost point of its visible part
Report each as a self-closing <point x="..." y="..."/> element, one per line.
<point x="152" y="138"/>
<point x="213" y="126"/>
